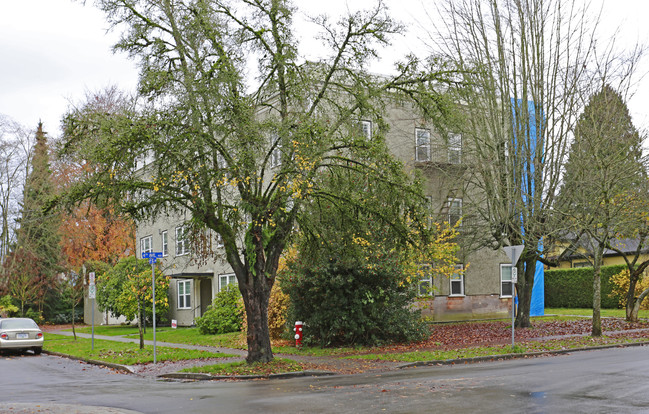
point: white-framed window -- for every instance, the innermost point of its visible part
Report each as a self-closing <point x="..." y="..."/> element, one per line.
<point x="454" y="206"/>
<point x="276" y="154"/>
<point x="165" y="242"/>
<point x="425" y="287"/>
<point x="219" y="240"/>
<point x="455" y="148"/>
<point x="185" y="294"/>
<point x="226" y="281"/>
<point x="581" y="264"/>
<point x="365" y="128"/>
<point x="146" y="245"/>
<point x="182" y="241"/>
<point x="422" y="144"/>
<point x="457" y="282"/>
<point x="506" y="285"/>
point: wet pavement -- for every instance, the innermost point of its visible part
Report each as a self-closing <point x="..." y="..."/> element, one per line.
<point x="597" y="381"/>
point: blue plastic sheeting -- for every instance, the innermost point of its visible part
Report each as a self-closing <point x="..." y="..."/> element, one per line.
<point x="537" y="304"/>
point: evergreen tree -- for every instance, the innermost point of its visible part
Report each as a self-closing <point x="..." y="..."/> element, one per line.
<point x="38" y="235"/>
<point x="604" y="168"/>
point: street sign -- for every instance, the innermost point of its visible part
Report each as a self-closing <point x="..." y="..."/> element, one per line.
<point x="514" y="274"/>
<point x="514" y="252"/>
<point x="91" y="278"/>
<point x="151" y="255"/>
<point x="92" y="291"/>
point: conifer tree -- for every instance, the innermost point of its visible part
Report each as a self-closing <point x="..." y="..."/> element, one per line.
<point x="604" y="168"/>
<point x="38" y="235"/>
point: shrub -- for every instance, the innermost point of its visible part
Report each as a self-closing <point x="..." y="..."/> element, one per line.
<point x="7" y="307"/>
<point x="573" y="288"/>
<point x="620" y="282"/>
<point x="35" y="315"/>
<point x="224" y="315"/>
<point x="342" y="303"/>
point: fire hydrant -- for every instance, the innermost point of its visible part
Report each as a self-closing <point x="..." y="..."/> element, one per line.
<point x="298" y="334"/>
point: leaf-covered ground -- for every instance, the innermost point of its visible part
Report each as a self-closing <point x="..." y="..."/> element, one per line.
<point x="470" y="334"/>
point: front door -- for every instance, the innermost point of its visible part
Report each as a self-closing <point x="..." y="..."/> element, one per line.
<point x="206" y="294"/>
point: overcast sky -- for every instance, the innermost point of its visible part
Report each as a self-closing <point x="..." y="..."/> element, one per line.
<point x="53" y="51"/>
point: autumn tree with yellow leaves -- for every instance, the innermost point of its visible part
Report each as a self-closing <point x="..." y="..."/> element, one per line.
<point x="127" y="290"/>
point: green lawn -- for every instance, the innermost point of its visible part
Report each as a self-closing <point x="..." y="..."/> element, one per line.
<point x="121" y="353"/>
<point x="189" y="336"/>
<point x="613" y="313"/>
<point x="110" y="330"/>
<point x="241" y="368"/>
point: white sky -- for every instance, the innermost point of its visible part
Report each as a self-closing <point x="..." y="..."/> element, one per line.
<point x="53" y="51"/>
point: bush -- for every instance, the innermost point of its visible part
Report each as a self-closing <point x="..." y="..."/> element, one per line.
<point x="35" y="315"/>
<point x="573" y="288"/>
<point x="343" y="304"/>
<point x="621" y="287"/>
<point x="7" y="307"/>
<point x="224" y="315"/>
<point x="66" y="317"/>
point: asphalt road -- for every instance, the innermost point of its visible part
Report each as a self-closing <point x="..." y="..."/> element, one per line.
<point x="603" y="381"/>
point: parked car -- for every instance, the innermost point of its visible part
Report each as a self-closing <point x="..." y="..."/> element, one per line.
<point x="20" y="334"/>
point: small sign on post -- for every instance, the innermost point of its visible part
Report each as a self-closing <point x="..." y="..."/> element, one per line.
<point x="153" y="257"/>
<point x="514" y="253"/>
<point x="92" y="294"/>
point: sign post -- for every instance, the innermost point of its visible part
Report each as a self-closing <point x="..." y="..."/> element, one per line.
<point x="514" y="253"/>
<point x="153" y="257"/>
<point x="92" y="294"/>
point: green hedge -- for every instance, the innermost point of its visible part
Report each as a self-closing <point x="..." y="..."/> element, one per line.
<point x="573" y="288"/>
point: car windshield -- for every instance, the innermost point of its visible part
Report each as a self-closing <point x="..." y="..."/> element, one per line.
<point x="18" y="324"/>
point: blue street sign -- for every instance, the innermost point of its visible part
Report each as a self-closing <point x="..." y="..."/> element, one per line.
<point x="151" y="255"/>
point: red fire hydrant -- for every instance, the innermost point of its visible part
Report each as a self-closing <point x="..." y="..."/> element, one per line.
<point x="298" y="334"/>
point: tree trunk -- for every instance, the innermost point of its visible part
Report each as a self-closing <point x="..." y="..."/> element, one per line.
<point x="525" y="285"/>
<point x="74" y="332"/>
<point x="256" y="294"/>
<point x="636" y="306"/>
<point x="597" y="296"/>
<point x="140" y="324"/>
<point x="631" y="299"/>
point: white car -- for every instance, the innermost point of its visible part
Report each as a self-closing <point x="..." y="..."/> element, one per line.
<point x="20" y="334"/>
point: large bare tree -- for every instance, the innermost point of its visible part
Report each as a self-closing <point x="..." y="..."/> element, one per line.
<point x="15" y="152"/>
<point x="527" y="69"/>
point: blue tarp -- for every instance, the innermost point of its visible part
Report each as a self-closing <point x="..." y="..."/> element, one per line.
<point x="537" y="305"/>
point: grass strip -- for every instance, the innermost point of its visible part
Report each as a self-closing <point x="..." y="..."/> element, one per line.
<point x="276" y="366"/>
<point x="607" y="313"/>
<point x="472" y="352"/>
<point x="121" y="353"/>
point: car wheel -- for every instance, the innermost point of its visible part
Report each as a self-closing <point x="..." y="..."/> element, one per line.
<point x="37" y="351"/>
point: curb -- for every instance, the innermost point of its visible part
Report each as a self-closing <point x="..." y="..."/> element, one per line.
<point x="209" y="377"/>
<point x="487" y="358"/>
<point x="124" y="368"/>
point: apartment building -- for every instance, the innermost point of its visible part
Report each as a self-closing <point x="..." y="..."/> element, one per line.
<point x="483" y="291"/>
